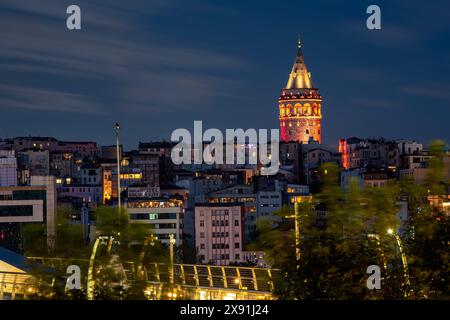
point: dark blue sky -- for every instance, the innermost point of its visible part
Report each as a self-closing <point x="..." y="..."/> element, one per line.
<point x="159" y="65"/>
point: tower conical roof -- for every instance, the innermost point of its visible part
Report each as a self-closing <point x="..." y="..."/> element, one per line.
<point x="299" y="78"/>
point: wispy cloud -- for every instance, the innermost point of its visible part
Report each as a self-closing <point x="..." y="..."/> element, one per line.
<point x="111" y="48"/>
<point x="32" y="98"/>
<point x="368" y="73"/>
<point x="390" y="35"/>
<point x="372" y="103"/>
<point x="438" y="91"/>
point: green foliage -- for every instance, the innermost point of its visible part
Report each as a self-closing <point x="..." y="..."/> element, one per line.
<point x="276" y="243"/>
<point x="34" y="239"/>
<point x="156" y="253"/>
<point x="136" y="290"/>
<point x="112" y="222"/>
<point x="435" y="176"/>
<point x="110" y="280"/>
<point x="334" y="258"/>
<point x="69" y="243"/>
<point x="428" y="241"/>
<point x="109" y="283"/>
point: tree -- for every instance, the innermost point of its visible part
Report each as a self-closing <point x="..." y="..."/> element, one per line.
<point x="428" y="236"/>
<point x="69" y="242"/>
<point x="334" y="258"/>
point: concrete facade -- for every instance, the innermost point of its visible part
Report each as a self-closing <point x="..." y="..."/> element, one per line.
<point x="219" y="233"/>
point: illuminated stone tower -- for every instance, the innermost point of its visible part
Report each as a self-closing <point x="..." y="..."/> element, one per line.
<point x="300" y="105"/>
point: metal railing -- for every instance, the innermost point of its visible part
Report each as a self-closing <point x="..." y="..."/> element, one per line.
<point x="18" y="285"/>
<point x="224" y="278"/>
<point x="219" y="277"/>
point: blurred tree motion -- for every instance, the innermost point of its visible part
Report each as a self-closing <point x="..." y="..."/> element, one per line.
<point x="360" y="228"/>
<point x="110" y="280"/>
<point x="428" y="242"/>
<point x="69" y="242"/>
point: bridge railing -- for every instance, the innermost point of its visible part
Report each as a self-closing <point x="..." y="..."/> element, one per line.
<point x="188" y="275"/>
<point x="220" y="277"/>
<point x="18" y="285"/>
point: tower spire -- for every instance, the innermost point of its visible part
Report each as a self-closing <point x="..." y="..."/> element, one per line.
<point x="299" y="78"/>
<point x="300" y="104"/>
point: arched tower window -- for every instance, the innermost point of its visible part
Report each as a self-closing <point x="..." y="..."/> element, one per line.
<point x="288" y="109"/>
<point x="297" y="109"/>
<point x="307" y="109"/>
<point x="314" y="109"/>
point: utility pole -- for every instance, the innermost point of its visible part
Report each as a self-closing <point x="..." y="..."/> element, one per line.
<point x="117" y="127"/>
<point x="85" y="221"/>
<point x="296" y="217"/>
<point x="171" y="242"/>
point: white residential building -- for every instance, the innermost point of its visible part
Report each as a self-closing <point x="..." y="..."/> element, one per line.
<point x="219" y="233"/>
<point x="160" y="214"/>
<point x="8" y="168"/>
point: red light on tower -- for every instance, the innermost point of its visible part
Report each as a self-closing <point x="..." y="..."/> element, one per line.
<point x="343" y="150"/>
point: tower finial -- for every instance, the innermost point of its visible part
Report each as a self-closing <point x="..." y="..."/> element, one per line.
<point x="299" y="43"/>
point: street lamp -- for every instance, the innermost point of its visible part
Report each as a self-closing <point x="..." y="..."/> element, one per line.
<point x="296" y="217"/>
<point x="171" y="243"/>
<point x="390" y="231"/>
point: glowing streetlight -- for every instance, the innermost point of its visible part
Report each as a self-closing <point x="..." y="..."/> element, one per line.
<point x="390" y="231"/>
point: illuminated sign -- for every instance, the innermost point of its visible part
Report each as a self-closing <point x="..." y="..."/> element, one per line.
<point x="143" y="192"/>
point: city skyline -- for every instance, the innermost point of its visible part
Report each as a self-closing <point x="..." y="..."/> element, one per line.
<point x="208" y="150"/>
<point x="125" y="63"/>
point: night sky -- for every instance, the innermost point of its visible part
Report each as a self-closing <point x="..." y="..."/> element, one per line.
<point x="155" y="66"/>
